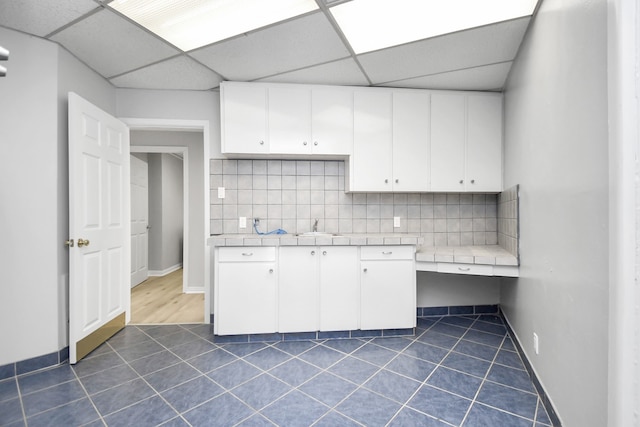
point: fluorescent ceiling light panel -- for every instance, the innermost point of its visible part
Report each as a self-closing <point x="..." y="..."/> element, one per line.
<point x="376" y="24"/>
<point x="189" y="24"/>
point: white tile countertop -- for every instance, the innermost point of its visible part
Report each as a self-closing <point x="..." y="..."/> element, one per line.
<point x="486" y="254"/>
<point x="316" y="240"/>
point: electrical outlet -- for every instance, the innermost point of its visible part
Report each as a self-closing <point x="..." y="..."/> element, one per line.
<point x="220" y="192"/>
<point x="396" y="221"/>
<point x="536" y="343"/>
<point x="242" y="223"/>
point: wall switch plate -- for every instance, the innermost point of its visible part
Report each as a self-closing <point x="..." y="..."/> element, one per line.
<point x="242" y="223"/>
<point x="220" y="192"/>
<point x="396" y="221"/>
<point x="536" y="343"/>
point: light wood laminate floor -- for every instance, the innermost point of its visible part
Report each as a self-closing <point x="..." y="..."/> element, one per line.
<point x="161" y="300"/>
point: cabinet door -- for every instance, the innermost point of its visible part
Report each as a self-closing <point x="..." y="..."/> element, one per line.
<point x="411" y="141"/>
<point x="339" y="288"/>
<point x="447" y="142"/>
<point x="332" y="121"/>
<point x="298" y="289"/>
<point x="484" y="143"/>
<point x="246" y="298"/>
<point x="388" y="294"/>
<point x="244" y="119"/>
<point x="289" y="120"/>
<point x="371" y="163"/>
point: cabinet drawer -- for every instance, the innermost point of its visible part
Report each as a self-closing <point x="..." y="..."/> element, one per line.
<point x="472" y="269"/>
<point x="247" y="254"/>
<point x="387" y="252"/>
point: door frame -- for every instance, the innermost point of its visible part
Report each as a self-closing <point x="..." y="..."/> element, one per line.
<point x="184" y="151"/>
<point x="186" y="125"/>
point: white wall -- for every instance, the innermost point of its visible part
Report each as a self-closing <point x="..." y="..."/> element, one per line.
<point x="439" y="290"/>
<point x="194" y="142"/>
<point x="34" y="191"/>
<point x="556" y="149"/>
<point x="165" y="211"/>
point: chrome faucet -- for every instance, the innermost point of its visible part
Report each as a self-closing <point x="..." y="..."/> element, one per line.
<point x="315" y="226"/>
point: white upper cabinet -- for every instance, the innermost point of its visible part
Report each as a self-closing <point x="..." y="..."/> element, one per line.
<point x="244" y="119"/>
<point x="371" y="163"/>
<point x="411" y="141"/>
<point x="289" y="120"/>
<point x="466" y="142"/>
<point x="332" y="121"/>
<point x="484" y="143"/>
<point x="447" y="142"/>
<point x="294" y="119"/>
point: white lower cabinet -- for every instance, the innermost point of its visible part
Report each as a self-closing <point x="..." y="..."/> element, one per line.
<point x="387" y="287"/>
<point x="245" y="296"/>
<point x="339" y="288"/>
<point x="309" y="288"/>
<point x="318" y="288"/>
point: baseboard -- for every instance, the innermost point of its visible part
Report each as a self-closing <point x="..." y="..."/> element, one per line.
<point x="544" y="397"/>
<point x="157" y="273"/>
<point x="194" y="290"/>
<point x="34" y="364"/>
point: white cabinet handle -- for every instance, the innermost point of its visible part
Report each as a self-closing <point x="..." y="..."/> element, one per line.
<point x="247" y="253"/>
<point x="271" y="270"/>
<point x="315" y="142"/>
<point x="473" y="181"/>
<point x="464" y="268"/>
<point x="324" y="252"/>
<point x="387" y="253"/>
<point x="313" y="252"/>
<point x="304" y="143"/>
<point x="462" y="181"/>
<point x="365" y="270"/>
<point x="261" y="142"/>
<point x="386" y="181"/>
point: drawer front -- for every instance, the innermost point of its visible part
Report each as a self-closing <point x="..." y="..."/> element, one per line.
<point x="472" y="269"/>
<point x="387" y="252"/>
<point x="247" y="254"/>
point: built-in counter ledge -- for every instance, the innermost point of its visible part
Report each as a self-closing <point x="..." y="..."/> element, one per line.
<point x="328" y="240"/>
<point x="488" y="260"/>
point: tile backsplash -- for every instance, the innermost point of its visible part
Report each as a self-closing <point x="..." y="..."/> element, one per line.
<point x="291" y="194"/>
<point x="508" y="212"/>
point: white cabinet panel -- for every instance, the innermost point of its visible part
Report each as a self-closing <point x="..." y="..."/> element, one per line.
<point x="289" y="120"/>
<point x="245" y="290"/>
<point x="387" y="287"/>
<point x="298" y="306"/>
<point x="339" y="288"/>
<point x="244" y="119"/>
<point x="447" y="142"/>
<point x="371" y="163"/>
<point x="484" y="143"/>
<point x="332" y="121"/>
<point x="246" y="298"/>
<point x="411" y="141"/>
<point x="466" y="142"/>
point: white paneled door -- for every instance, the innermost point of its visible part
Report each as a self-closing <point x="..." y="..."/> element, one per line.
<point x="99" y="226"/>
<point x="139" y="221"/>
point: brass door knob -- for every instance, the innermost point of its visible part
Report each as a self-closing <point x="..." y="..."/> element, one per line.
<point x="82" y="242"/>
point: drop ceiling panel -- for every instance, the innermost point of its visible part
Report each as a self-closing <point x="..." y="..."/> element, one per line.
<point x="487" y="78"/>
<point x="111" y="45"/>
<point x="42" y="17"/>
<point x="292" y="45"/>
<point x="176" y="73"/>
<point x="465" y="49"/>
<point x="344" y="72"/>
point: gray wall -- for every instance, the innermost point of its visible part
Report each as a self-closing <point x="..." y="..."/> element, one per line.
<point x="165" y="212"/>
<point x="194" y="142"/>
<point x="34" y="191"/>
<point x="556" y="149"/>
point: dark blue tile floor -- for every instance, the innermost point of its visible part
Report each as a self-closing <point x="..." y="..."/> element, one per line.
<point x="456" y="371"/>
